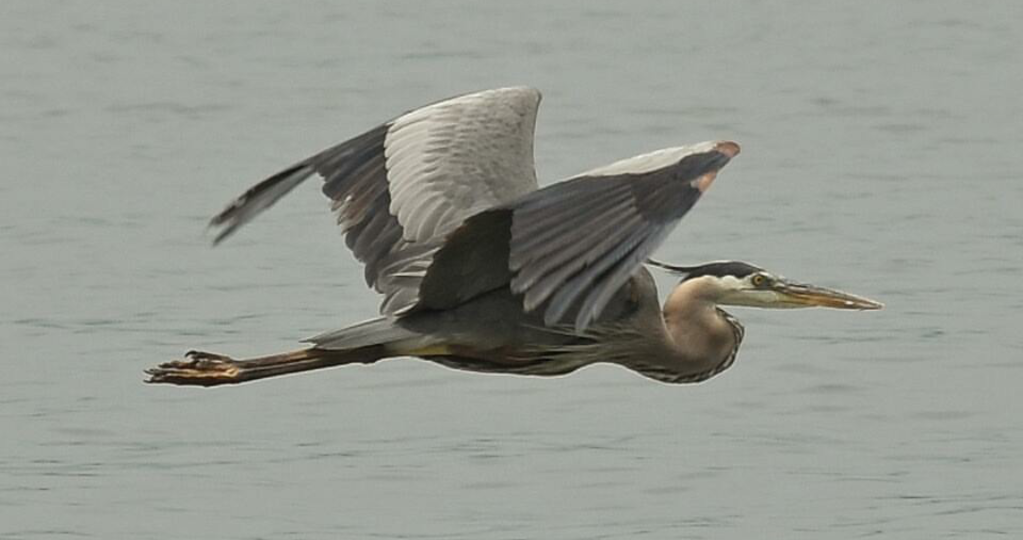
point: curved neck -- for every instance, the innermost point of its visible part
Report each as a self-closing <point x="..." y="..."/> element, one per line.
<point x="701" y="337"/>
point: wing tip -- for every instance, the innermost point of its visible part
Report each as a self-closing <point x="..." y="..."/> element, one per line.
<point x="221" y="233"/>
<point x="728" y="148"/>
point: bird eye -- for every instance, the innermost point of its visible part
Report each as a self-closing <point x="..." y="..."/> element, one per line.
<point x="758" y="280"/>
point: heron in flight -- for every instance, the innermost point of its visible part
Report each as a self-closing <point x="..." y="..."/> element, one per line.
<point x="482" y="270"/>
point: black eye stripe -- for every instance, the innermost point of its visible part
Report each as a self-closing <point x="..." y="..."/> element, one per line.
<point x="736" y="269"/>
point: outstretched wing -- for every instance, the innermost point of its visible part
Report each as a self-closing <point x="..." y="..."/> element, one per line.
<point x="399" y="188"/>
<point x="570" y="246"/>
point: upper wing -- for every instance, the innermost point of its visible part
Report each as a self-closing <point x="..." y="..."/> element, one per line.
<point x="402" y="186"/>
<point x="571" y="246"/>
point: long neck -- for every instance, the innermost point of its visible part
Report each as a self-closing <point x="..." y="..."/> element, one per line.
<point x="702" y="338"/>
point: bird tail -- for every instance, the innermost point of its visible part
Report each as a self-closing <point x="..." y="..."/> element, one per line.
<point x="363" y="343"/>
<point x="381" y="330"/>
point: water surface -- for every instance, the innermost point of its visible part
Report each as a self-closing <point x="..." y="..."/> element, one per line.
<point x="880" y="155"/>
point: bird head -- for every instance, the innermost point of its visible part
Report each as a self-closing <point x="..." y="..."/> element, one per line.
<point x="736" y="283"/>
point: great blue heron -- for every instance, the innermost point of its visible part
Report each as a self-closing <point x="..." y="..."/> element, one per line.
<point x="482" y="271"/>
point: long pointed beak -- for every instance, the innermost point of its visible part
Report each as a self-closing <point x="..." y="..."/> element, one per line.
<point x="806" y="295"/>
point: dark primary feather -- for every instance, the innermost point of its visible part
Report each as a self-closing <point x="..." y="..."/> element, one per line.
<point x="256" y="199"/>
<point x="355" y="179"/>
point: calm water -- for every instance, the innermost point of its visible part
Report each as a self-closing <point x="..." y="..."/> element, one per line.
<point x="881" y="154"/>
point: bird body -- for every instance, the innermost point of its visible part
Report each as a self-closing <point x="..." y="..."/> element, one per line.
<point x="482" y="271"/>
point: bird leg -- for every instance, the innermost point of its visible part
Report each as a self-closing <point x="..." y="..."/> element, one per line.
<point x="199" y="368"/>
<point x="210" y="369"/>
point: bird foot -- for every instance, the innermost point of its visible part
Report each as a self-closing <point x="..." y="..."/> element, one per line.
<point x="199" y="369"/>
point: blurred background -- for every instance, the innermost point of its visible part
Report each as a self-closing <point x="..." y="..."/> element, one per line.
<point x="880" y="156"/>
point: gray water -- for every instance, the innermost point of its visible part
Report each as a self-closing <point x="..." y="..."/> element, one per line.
<point x="881" y="154"/>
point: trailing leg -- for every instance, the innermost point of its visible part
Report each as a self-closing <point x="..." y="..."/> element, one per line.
<point x="209" y="369"/>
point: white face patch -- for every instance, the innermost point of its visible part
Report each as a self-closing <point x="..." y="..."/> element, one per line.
<point x="732" y="283"/>
<point x="742" y="292"/>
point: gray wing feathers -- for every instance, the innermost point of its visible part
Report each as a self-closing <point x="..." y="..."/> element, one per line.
<point x="399" y="188"/>
<point x="601" y="281"/>
<point x="574" y="254"/>
<point x="567" y="249"/>
<point x="452" y="159"/>
<point x="574" y="244"/>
